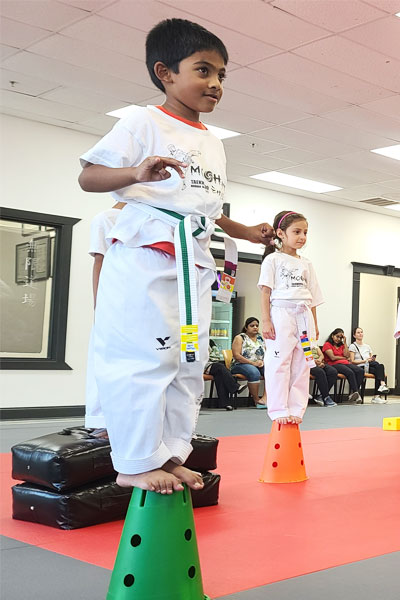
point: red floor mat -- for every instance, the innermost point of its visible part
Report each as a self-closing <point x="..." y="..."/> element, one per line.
<point x="260" y="533"/>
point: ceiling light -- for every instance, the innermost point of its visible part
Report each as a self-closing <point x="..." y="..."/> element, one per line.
<point x="390" y="151"/>
<point x="393" y="207"/>
<point x="219" y="132"/>
<point x="296" y="182"/>
<point x="397" y="15"/>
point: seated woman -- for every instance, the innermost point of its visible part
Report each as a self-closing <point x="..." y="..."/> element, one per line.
<point x="248" y="349"/>
<point x="337" y="354"/>
<point x="225" y="382"/>
<point x="361" y="355"/>
<point x="325" y="376"/>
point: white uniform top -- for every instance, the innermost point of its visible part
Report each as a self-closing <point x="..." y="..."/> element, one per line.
<point x="100" y="226"/>
<point x="290" y="278"/>
<point x="361" y="351"/>
<point x="148" y="131"/>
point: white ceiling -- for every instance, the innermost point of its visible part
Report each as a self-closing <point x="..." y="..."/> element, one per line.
<point x="313" y="85"/>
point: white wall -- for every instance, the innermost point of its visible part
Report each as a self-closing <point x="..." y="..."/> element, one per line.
<point x="40" y="169"/>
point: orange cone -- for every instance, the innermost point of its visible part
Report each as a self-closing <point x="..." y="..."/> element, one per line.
<point x="284" y="461"/>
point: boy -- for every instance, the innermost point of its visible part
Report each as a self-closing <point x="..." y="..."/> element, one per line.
<point x="147" y="394"/>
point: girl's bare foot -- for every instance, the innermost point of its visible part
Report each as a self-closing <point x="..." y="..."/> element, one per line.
<point x="296" y="420"/>
<point x="284" y="420"/>
<point x="154" y="481"/>
<point x="193" y="479"/>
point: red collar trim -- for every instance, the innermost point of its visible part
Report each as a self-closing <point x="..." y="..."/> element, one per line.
<point x="196" y="124"/>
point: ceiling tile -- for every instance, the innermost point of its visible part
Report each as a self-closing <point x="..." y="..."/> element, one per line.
<point x="101" y="123"/>
<point x="324" y="127"/>
<point x="311" y="171"/>
<point x="368" y="121"/>
<point x="304" y="141"/>
<point x="263" y="162"/>
<point x="365" y="64"/>
<point x="255" y="19"/>
<point x="270" y="88"/>
<point x="141" y="14"/>
<point x="375" y="162"/>
<point x="334" y="15"/>
<point x="44" y="107"/>
<point x="363" y="192"/>
<point x="109" y="34"/>
<point x="25" y="84"/>
<point x="26" y="62"/>
<point x="393" y="184"/>
<point x="390" y="6"/>
<point x="261" y="109"/>
<point x="6" y="51"/>
<point x="386" y="106"/>
<point x="42" y="13"/>
<point x="20" y="35"/>
<point x="83" y="99"/>
<point x="88" y="5"/>
<point x="93" y="57"/>
<point x="309" y="74"/>
<point x="382" y="36"/>
<point x="234" y="121"/>
<point x="248" y="143"/>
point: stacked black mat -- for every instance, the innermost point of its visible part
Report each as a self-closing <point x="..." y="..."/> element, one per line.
<point x="69" y="480"/>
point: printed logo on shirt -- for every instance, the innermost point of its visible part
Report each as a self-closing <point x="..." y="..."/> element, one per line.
<point x="162" y="342"/>
<point x="276" y="353"/>
<point x="292" y="277"/>
<point x="207" y="180"/>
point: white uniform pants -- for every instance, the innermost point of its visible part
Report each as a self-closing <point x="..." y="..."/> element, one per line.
<point x="287" y="374"/>
<point x="93" y="414"/>
<point x="147" y="395"/>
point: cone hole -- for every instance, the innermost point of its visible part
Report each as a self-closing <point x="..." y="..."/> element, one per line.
<point x="277" y="446"/>
<point x="299" y="444"/>
<point x="188" y="534"/>
<point x="136" y="540"/>
<point x="302" y="462"/>
<point x="274" y="464"/>
<point x="192" y="572"/>
<point x="129" y="580"/>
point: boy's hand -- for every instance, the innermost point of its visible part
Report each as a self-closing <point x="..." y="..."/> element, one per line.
<point x="260" y="234"/>
<point x="154" y="168"/>
<point x="268" y="330"/>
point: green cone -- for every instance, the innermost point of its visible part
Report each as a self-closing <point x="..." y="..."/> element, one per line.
<point x="157" y="557"/>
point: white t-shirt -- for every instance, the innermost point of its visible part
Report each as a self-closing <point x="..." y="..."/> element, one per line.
<point x="397" y="330"/>
<point x="148" y="131"/>
<point x="361" y="351"/>
<point x="100" y="227"/>
<point x="290" y="278"/>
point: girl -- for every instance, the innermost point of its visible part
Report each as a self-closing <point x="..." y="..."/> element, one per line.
<point x="361" y="355"/>
<point x="289" y="296"/>
<point x="337" y="354"/>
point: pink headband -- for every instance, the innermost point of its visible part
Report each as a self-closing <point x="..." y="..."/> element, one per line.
<point x="284" y="217"/>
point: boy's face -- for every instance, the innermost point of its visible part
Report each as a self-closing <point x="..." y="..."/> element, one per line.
<point x="197" y="88"/>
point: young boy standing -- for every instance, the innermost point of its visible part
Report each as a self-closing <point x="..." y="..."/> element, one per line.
<point x="170" y="170"/>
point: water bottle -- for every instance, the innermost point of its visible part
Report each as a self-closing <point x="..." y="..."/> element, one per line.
<point x="366" y="367"/>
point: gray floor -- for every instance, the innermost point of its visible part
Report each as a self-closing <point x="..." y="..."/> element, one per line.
<point x="28" y="572"/>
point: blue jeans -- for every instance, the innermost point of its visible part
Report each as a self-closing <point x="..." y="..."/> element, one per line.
<point x="251" y="372"/>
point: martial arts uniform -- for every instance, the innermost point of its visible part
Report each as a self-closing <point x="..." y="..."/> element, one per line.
<point x="100" y="227"/>
<point x="295" y="291"/>
<point x="148" y="396"/>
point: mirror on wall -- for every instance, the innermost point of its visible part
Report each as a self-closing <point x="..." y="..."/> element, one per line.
<point x="376" y="292"/>
<point x="34" y="280"/>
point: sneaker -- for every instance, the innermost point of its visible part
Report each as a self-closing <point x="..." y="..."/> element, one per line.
<point x="355" y="397"/>
<point x="261" y="405"/>
<point x="383" y="389"/>
<point x="378" y="400"/>
<point x="241" y="388"/>
<point x="329" y="402"/>
<point x="319" y="400"/>
<point x="310" y="396"/>
<point x="228" y="407"/>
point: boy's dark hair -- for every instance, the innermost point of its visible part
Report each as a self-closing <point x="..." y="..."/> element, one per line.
<point x="173" y="40"/>
<point x="284" y="219"/>
<point x="334" y="332"/>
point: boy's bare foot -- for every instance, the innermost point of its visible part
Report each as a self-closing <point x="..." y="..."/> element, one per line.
<point x="193" y="479"/>
<point x="154" y="481"/>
